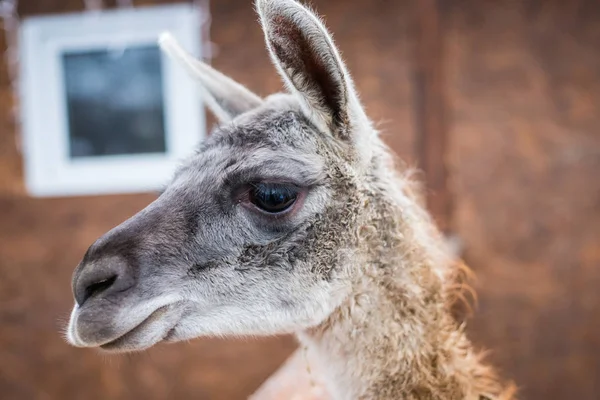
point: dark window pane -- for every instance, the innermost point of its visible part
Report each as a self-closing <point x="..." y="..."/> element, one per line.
<point x="115" y="102"/>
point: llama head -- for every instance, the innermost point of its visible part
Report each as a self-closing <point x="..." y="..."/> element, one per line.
<point x="255" y="234"/>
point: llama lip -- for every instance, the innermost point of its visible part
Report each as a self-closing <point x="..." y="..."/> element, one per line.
<point x="143" y="335"/>
<point x="170" y="334"/>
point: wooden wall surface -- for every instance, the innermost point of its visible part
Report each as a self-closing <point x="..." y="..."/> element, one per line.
<point x="522" y="84"/>
<point x="42" y="240"/>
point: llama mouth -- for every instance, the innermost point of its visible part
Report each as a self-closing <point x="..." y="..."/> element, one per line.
<point x="170" y="336"/>
<point x="149" y="332"/>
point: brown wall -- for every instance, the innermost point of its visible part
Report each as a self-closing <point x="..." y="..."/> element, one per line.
<point x="522" y="86"/>
<point x="524" y="90"/>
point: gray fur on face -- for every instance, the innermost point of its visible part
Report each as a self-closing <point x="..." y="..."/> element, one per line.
<point x="223" y="268"/>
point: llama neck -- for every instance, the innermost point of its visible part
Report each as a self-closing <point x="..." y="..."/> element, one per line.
<point x="383" y="343"/>
<point x="394" y="337"/>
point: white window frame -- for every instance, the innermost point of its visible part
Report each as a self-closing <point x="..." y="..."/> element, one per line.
<point x="49" y="170"/>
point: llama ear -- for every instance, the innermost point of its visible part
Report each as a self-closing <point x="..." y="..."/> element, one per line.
<point x="304" y="53"/>
<point x="222" y="95"/>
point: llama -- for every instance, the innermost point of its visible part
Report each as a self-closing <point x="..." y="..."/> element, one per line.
<point x="289" y="218"/>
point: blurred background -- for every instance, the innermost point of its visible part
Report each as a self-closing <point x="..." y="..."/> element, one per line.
<point x="497" y="101"/>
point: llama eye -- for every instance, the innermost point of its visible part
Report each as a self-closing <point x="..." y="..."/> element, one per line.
<point x="273" y="198"/>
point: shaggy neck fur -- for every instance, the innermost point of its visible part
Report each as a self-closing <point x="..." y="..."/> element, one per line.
<point x="394" y="337"/>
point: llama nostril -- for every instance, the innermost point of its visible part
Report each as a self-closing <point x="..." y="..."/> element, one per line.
<point x="105" y="277"/>
<point x="98" y="287"/>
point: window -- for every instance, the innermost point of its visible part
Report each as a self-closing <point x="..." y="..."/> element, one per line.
<point x="104" y="111"/>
